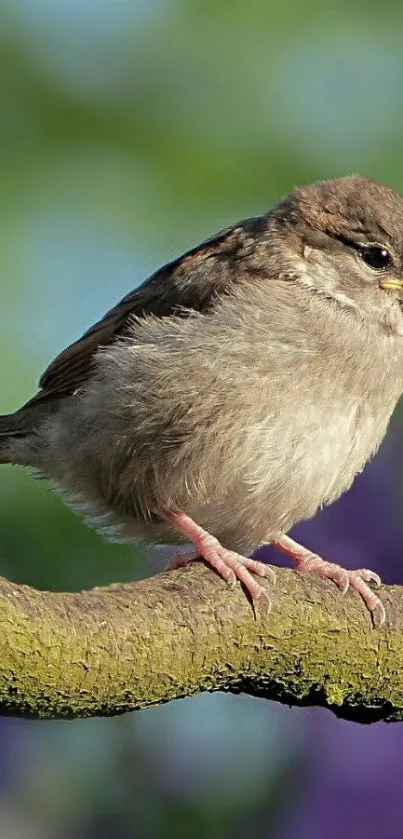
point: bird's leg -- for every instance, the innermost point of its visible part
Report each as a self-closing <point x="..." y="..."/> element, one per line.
<point x="306" y="562"/>
<point x="229" y="565"/>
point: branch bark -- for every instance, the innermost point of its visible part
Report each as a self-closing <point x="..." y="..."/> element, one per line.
<point x="128" y="646"/>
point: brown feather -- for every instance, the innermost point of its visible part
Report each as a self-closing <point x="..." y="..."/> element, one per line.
<point x="193" y="281"/>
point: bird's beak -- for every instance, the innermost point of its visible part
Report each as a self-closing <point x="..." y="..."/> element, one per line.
<point x="392" y="284"/>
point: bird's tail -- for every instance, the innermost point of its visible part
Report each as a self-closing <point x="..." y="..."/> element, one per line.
<point x="12" y="428"/>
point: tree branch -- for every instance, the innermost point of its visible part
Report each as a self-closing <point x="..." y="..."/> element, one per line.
<point x="124" y="647"/>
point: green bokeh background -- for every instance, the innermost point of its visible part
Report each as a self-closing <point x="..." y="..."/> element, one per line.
<point x="129" y="131"/>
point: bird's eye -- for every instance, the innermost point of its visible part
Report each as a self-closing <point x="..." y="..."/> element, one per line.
<point x="375" y="256"/>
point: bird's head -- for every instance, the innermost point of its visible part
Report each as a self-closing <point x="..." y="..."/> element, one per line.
<point x="345" y="238"/>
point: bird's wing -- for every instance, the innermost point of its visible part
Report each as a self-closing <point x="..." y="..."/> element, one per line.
<point x="191" y="282"/>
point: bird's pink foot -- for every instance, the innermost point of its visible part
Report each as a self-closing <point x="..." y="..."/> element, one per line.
<point x="308" y="562"/>
<point x="229" y="565"/>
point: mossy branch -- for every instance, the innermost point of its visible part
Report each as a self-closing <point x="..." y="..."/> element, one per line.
<point x="128" y="646"/>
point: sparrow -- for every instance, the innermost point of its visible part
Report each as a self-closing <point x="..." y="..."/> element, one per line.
<point x="238" y="390"/>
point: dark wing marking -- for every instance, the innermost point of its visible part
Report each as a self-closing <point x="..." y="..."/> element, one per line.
<point x="193" y="281"/>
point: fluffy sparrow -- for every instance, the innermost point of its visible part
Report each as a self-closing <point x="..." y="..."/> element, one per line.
<point x="238" y="390"/>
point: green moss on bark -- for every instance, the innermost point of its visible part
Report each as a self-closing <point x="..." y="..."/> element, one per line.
<point x="129" y="646"/>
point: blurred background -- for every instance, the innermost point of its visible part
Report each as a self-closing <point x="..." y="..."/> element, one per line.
<point x="129" y="131"/>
